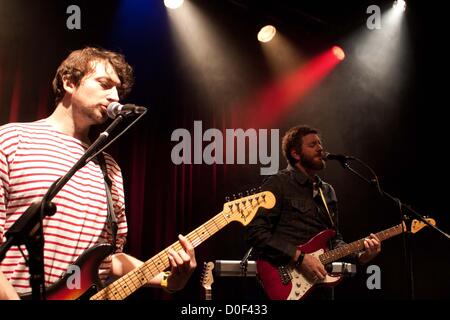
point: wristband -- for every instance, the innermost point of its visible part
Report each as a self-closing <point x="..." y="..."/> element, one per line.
<point x="163" y="283"/>
<point x="300" y="259"/>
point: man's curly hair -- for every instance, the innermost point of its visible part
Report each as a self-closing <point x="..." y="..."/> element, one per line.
<point x="79" y="63"/>
<point x="293" y="139"/>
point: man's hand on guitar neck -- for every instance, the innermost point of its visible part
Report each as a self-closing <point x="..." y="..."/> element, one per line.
<point x="311" y="267"/>
<point x="372" y="246"/>
<point x="182" y="265"/>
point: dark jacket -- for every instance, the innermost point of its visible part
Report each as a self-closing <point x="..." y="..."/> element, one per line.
<point x="295" y="219"/>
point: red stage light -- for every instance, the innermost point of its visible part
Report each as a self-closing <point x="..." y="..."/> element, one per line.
<point x="338" y="53"/>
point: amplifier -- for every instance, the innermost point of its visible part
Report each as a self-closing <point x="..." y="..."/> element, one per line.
<point x="233" y="268"/>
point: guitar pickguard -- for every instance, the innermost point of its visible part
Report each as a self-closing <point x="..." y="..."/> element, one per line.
<point x="301" y="285"/>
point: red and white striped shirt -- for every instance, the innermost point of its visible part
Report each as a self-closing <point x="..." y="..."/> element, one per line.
<point x="32" y="156"/>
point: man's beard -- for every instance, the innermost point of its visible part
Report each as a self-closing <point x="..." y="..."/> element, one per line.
<point x="311" y="163"/>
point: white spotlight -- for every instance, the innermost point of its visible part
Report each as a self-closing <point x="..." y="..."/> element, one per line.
<point x="173" y="4"/>
<point x="267" y="33"/>
<point x="399" y="5"/>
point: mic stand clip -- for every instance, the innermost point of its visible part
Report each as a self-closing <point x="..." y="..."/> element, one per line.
<point x="244" y="262"/>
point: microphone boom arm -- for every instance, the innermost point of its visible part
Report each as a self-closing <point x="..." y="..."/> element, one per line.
<point x="375" y="182"/>
<point x="405" y="218"/>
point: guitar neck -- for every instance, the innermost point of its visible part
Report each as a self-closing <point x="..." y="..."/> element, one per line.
<point x="338" y="253"/>
<point x="208" y="294"/>
<point x="126" y="285"/>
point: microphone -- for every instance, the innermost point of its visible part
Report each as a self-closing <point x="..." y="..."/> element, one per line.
<point x="115" y="108"/>
<point x="338" y="157"/>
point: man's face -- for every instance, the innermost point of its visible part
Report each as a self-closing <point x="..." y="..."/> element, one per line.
<point x="311" y="152"/>
<point x="95" y="92"/>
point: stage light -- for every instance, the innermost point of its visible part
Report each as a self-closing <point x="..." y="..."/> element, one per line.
<point x="266" y="33"/>
<point x="173" y="4"/>
<point x="338" y="53"/>
<point x="399" y="6"/>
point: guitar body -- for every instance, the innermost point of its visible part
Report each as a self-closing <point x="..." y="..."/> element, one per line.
<point x="285" y="282"/>
<point x="70" y="287"/>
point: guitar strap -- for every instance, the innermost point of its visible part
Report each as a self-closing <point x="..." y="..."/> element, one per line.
<point x="326" y="207"/>
<point x="112" y="219"/>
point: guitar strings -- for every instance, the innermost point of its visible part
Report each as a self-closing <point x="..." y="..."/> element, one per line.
<point x="137" y="277"/>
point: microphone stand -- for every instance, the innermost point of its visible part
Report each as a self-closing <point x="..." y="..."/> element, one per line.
<point x="27" y="230"/>
<point x="244" y="262"/>
<point x="244" y="265"/>
<point x="406" y="218"/>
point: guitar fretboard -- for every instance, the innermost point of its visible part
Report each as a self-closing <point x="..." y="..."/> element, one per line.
<point x="208" y="295"/>
<point x="241" y="210"/>
<point x="137" y="278"/>
<point x="338" y="253"/>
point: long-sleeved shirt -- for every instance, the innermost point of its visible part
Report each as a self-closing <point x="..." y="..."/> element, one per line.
<point x="32" y="156"/>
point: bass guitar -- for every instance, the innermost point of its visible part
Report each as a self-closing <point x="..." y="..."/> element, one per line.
<point x="86" y="266"/>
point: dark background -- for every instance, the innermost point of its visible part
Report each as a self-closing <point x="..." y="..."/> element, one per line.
<point x="394" y="121"/>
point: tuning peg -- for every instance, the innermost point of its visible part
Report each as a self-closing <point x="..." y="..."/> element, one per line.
<point x="259" y="189"/>
<point x="227" y="199"/>
<point x="247" y="193"/>
<point x="240" y="195"/>
<point x="234" y="197"/>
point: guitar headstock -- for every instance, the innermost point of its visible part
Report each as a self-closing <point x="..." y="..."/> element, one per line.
<point x="244" y="209"/>
<point x="206" y="278"/>
<point x="417" y="225"/>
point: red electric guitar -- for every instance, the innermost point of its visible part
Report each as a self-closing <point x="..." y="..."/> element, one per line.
<point x="286" y="283"/>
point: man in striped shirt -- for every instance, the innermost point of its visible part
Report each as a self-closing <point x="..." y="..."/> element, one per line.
<point x="33" y="155"/>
